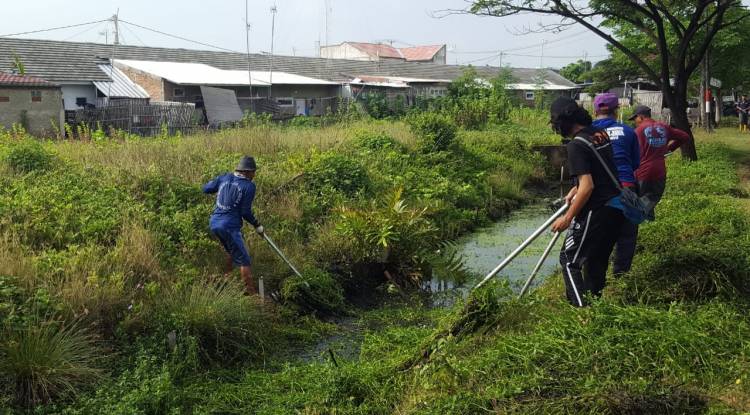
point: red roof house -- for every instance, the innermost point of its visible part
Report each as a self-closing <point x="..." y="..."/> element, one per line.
<point x="379" y="51"/>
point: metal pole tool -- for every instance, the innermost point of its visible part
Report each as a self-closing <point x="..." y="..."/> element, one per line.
<point x="523" y="245"/>
<point x="544" y="256"/>
<point x="278" y="251"/>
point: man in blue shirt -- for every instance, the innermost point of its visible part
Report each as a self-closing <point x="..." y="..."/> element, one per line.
<point x="234" y="202"/>
<point x="627" y="156"/>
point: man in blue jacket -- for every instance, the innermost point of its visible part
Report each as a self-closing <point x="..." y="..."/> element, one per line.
<point x="627" y="156"/>
<point x="234" y="202"/>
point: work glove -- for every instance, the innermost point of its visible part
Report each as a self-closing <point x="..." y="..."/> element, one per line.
<point x="260" y="230"/>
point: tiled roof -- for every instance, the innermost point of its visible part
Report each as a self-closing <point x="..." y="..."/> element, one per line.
<point x="420" y="53"/>
<point x="7" y="79"/>
<point x="377" y="50"/>
<point x="71" y="61"/>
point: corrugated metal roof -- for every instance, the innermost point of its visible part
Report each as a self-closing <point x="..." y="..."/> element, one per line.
<point x="121" y="86"/>
<point x="377" y="50"/>
<point x="8" y="79"/>
<point x="200" y="74"/>
<point x="71" y="61"/>
<point x="420" y="53"/>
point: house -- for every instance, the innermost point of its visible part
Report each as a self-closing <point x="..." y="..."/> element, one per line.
<point x="379" y="51"/>
<point x="527" y="83"/>
<point x="182" y="82"/>
<point x="81" y="70"/>
<point x="33" y="103"/>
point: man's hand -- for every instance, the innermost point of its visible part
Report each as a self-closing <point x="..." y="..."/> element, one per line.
<point x="561" y="224"/>
<point x="260" y="230"/>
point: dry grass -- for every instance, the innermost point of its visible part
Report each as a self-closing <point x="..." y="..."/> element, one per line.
<point x="16" y="261"/>
<point x="137" y="252"/>
<point x="183" y="158"/>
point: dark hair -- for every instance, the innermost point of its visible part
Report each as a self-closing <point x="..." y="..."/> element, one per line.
<point x="606" y="111"/>
<point x="563" y="123"/>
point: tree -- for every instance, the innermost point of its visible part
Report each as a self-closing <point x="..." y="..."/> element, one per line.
<point x="679" y="33"/>
<point x="577" y="72"/>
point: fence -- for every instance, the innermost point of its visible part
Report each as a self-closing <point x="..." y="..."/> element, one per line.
<point x="141" y="117"/>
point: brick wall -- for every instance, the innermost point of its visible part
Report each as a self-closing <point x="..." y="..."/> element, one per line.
<point x="153" y="85"/>
<point x="17" y="107"/>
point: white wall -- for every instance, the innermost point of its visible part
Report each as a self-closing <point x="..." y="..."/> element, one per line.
<point x="344" y="51"/>
<point x="71" y="92"/>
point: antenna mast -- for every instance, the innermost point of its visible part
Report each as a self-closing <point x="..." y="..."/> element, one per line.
<point x="273" y="33"/>
<point x="247" y="46"/>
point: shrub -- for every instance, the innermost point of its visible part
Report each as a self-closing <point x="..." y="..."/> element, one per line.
<point x="375" y="140"/>
<point x="28" y="156"/>
<point x="316" y="292"/>
<point x="435" y="132"/>
<point x="226" y="324"/>
<point x="337" y="171"/>
<point x="47" y="360"/>
<point x="387" y="232"/>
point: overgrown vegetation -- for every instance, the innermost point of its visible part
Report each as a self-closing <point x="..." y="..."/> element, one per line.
<point x="104" y="246"/>
<point x="112" y="297"/>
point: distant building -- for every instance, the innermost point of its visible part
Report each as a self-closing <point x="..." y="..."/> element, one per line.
<point x="31" y="102"/>
<point x="299" y="85"/>
<point x="378" y="51"/>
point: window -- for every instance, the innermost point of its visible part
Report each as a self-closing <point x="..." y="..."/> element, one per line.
<point x="285" y="102"/>
<point x="4" y="99"/>
<point x="81" y="101"/>
<point x="198" y="98"/>
<point x="178" y="92"/>
<point x="36" y="96"/>
<point x="530" y="95"/>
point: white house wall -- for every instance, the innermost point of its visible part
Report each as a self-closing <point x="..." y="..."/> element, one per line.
<point x="71" y="92"/>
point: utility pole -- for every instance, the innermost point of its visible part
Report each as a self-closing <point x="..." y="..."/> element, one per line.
<point x="501" y="59"/>
<point x="273" y="33"/>
<point x="116" y="21"/>
<point x="247" y="46"/>
<point x="541" y="58"/>
<point x="707" y="90"/>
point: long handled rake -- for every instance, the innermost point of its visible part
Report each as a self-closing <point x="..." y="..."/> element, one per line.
<point x="555" y="237"/>
<point x="281" y="254"/>
<point x="525" y="244"/>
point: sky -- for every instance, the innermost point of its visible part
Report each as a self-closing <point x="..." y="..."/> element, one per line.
<point x="300" y="24"/>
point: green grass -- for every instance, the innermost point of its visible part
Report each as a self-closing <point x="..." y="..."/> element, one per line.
<point x="112" y="235"/>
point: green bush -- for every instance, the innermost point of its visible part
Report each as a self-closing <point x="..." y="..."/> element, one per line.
<point x="435" y="132"/>
<point x="331" y="170"/>
<point x="316" y="292"/>
<point x="375" y="141"/>
<point x="28" y="156"/>
<point x="46" y="360"/>
<point x="226" y="324"/>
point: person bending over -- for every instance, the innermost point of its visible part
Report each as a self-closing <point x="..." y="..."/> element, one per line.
<point x="234" y="202"/>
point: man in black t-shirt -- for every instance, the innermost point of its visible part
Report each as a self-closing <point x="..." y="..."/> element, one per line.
<point x="592" y="225"/>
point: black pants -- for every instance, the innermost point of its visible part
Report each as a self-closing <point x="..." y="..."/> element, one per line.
<point x="585" y="255"/>
<point x="651" y="191"/>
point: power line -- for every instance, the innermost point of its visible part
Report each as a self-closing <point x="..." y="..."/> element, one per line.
<point x="54" y="28"/>
<point x="534" y="46"/>
<point x="178" y="37"/>
<point x="132" y="32"/>
<point x="86" y="30"/>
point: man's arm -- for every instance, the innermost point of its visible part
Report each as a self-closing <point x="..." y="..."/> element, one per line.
<point x="583" y="193"/>
<point x="677" y="138"/>
<point x="247" y="208"/>
<point x="212" y="187"/>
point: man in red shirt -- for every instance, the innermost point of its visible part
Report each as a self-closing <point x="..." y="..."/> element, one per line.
<point x="655" y="140"/>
